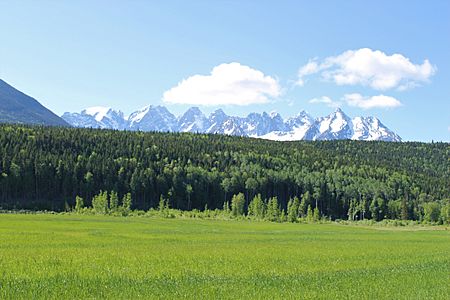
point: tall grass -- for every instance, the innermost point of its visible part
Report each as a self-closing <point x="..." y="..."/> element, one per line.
<point x="69" y="256"/>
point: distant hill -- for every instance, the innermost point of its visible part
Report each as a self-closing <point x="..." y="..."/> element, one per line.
<point x="16" y="107"/>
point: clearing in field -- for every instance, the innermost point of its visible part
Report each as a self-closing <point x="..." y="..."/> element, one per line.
<point x="69" y="256"/>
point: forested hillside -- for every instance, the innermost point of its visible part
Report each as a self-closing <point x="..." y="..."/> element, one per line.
<point x="47" y="167"/>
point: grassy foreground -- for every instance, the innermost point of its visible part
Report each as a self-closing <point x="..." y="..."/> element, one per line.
<point x="69" y="256"/>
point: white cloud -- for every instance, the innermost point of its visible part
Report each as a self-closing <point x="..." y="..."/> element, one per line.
<point x="310" y="68"/>
<point x="369" y="67"/>
<point x="380" y="101"/>
<point x="325" y="100"/>
<point x="230" y="83"/>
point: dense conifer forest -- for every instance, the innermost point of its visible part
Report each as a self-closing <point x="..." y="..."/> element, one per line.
<point x="46" y="168"/>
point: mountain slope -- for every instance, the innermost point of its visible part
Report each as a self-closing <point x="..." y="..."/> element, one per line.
<point x="16" y="107"/>
<point x="335" y="126"/>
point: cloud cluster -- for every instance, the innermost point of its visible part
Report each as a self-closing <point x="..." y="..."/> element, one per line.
<point x="380" y="101"/>
<point x="371" y="68"/>
<point x="230" y="83"/>
<point x="236" y="84"/>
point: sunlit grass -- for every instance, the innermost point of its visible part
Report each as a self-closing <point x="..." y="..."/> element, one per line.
<point x="69" y="256"/>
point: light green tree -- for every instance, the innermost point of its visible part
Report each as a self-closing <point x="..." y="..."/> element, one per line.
<point x="283" y="217"/>
<point x="226" y="207"/>
<point x="113" y="201"/>
<point x="273" y="211"/>
<point x="256" y="207"/>
<point x="126" y="203"/>
<point x="309" y="214"/>
<point x="445" y="213"/>
<point x="100" y="203"/>
<point x="79" y="204"/>
<point x="293" y="209"/>
<point x="316" y="215"/>
<point x="237" y="205"/>
<point x="431" y="211"/>
<point x="302" y="208"/>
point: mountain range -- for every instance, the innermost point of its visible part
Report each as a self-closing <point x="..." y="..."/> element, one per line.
<point x="16" y="107"/>
<point x="272" y="126"/>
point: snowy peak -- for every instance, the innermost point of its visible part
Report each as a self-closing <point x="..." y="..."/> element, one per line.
<point x="371" y="129"/>
<point x="137" y="116"/>
<point x="336" y="125"/>
<point x="299" y="120"/>
<point x="193" y="120"/>
<point x="98" y="112"/>
<point x="216" y="120"/>
<point x="96" y="117"/>
<point x="152" y="118"/>
<point x="272" y="126"/>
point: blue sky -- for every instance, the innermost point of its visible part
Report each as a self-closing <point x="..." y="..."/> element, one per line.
<point x="127" y="54"/>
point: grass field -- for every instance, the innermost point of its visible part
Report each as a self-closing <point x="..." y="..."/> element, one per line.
<point x="69" y="256"/>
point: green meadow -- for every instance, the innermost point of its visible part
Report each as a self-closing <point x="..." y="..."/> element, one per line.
<point x="44" y="256"/>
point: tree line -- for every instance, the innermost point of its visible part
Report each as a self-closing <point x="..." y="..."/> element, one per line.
<point x="48" y="167"/>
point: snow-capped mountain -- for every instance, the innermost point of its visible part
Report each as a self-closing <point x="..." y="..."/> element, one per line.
<point x="258" y="125"/>
<point x="153" y="118"/>
<point x="302" y="126"/>
<point x="336" y="126"/>
<point x="295" y="128"/>
<point x="193" y="120"/>
<point x="97" y="117"/>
